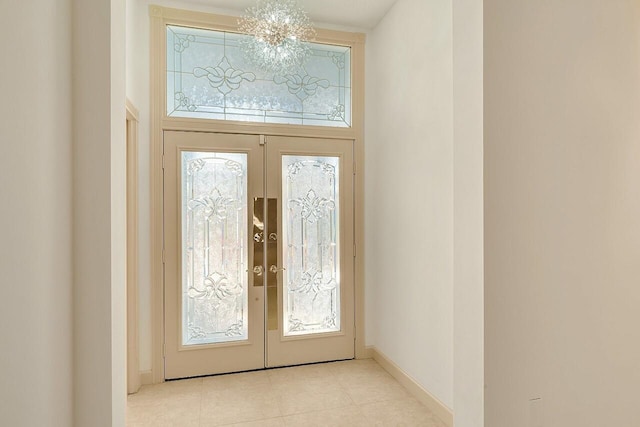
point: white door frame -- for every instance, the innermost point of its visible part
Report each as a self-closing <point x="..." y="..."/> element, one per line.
<point x="160" y="17"/>
<point x="133" y="351"/>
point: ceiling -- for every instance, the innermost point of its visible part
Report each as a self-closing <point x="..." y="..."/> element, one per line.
<point x="364" y="14"/>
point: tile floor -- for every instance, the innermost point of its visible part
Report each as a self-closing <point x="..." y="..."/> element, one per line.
<point x="351" y="394"/>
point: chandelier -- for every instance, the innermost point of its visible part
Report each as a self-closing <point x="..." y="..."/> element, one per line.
<point x="279" y="31"/>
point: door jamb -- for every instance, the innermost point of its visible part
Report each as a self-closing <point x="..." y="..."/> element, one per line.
<point x="133" y="352"/>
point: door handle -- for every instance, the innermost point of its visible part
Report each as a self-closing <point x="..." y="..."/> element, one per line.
<point x="271" y="244"/>
<point x="258" y="242"/>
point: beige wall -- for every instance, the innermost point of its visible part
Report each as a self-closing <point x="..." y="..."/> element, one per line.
<point x="468" y="227"/>
<point x="62" y="237"/>
<point x="35" y="217"/>
<point x="99" y="212"/>
<point x="562" y="206"/>
<point x="137" y="90"/>
<point x="409" y="192"/>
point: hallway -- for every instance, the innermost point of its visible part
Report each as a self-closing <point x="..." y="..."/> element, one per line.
<point x="350" y="393"/>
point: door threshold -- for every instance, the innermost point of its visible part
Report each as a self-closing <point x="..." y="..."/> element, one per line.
<point x="258" y="370"/>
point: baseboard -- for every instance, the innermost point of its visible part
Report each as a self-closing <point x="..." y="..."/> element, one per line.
<point x="146" y="378"/>
<point x="368" y="352"/>
<point x="429" y="400"/>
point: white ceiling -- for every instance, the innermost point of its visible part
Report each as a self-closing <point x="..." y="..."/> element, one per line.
<point x="364" y="14"/>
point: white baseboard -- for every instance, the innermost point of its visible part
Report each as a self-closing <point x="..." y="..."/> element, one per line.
<point x="146" y="378"/>
<point x="429" y="400"/>
<point x="368" y="352"/>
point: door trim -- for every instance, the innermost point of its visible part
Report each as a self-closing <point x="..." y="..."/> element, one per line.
<point x="159" y="18"/>
<point x="134" y="380"/>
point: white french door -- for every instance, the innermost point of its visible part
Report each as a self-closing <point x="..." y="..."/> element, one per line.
<point x="258" y="252"/>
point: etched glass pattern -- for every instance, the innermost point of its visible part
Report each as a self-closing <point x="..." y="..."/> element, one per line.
<point x="209" y="77"/>
<point x="214" y="252"/>
<point x="311" y="222"/>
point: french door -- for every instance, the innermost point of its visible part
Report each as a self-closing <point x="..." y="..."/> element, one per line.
<point x="258" y="252"/>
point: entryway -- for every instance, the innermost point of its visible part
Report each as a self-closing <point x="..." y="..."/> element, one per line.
<point x="353" y="393"/>
<point x="258" y="252"/>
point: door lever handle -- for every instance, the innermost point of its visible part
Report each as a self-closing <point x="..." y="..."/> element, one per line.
<point x="275" y="269"/>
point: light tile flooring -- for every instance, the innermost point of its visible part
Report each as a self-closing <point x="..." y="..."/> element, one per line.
<point x="351" y="394"/>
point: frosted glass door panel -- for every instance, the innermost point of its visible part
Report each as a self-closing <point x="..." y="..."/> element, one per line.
<point x="214" y="253"/>
<point x="311" y="246"/>
<point x="209" y="77"/>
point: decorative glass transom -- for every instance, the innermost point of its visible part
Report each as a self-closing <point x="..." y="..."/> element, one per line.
<point x="214" y="253"/>
<point x="209" y="77"/>
<point x="311" y="242"/>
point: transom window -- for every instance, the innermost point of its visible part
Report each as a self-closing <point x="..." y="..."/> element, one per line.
<point x="209" y="77"/>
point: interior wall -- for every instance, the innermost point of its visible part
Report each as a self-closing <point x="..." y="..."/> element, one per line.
<point x="36" y="277"/>
<point x="99" y="212"/>
<point x="562" y="209"/>
<point x="468" y="207"/>
<point x="409" y="192"/>
<point x="137" y="91"/>
<point x="118" y="226"/>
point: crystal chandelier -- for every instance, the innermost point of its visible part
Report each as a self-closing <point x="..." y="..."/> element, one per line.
<point x="278" y="30"/>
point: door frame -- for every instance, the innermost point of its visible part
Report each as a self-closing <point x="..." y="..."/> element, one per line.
<point x="160" y="17"/>
<point x="133" y="352"/>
